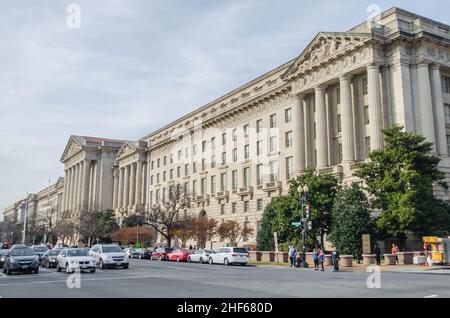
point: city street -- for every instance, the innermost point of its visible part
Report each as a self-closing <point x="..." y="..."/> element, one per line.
<point x="153" y="279"/>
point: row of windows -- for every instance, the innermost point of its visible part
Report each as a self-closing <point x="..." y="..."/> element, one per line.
<point x="446" y="84"/>
<point x="246" y="129"/>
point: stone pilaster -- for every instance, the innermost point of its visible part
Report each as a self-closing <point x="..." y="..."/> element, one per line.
<point x="321" y="128"/>
<point x="348" y="152"/>
<point x="425" y="103"/>
<point x="299" y="134"/>
<point x="438" y="105"/>
<point x="375" y="107"/>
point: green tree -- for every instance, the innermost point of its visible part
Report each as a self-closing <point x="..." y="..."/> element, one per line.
<point x="350" y="219"/>
<point x="264" y="237"/>
<point x="322" y="192"/>
<point x="400" y="180"/>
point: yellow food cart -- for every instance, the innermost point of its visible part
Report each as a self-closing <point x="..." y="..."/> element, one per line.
<point x="438" y="249"/>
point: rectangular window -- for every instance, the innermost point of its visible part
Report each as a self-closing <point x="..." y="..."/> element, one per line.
<point x="247" y="180"/>
<point x="203" y="146"/>
<point x="203" y="186"/>
<point x="235" y="155"/>
<point x="234" y="207"/>
<point x="152" y="164"/>
<point x="273" y="121"/>
<point x="157" y="178"/>
<point x="365" y="86"/>
<point x="222" y="209"/>
<point x="224" y="158"/>
<point x="186" y="152"/>
<point x="151" y="197"/>
<point x="165" y="160"/>
<point x="186" y="188"/>
<point x="171" y="174"/>
<point x="157" y="196"/>
<point x="339" y="123"/>
<point x="288" y="115"/>
<point x="224" y="139"/>
<point x="259" y="176"/>
<point x="164" y="176"/>
<point x="151" y="180"/>
<point x="338" y="96"/>
<point x="259" y="148"/>
<point x="194" y="167"/>
<point x="213" y="184"/>
<point x="273" y="143"/>
<point x="180" y="154"/>
<point x="194" y="188"/>
<point x="246" y="152"/>
<point x="258" y="126"/>
<point x="213" y="161"/>
<point x="163" y="195"/>
<point x="203" y="164"/>
<point x="158" y="163"/>
<point x="340" y="153"/>
<point x="194" y="150"/>
<point x="368" y="150"/>
<point x="213" y="143"/>
<point x="273" y="170"/>
<point x="234" y="134"/>
<point x="314" y="131"/>
<point x="289" y="168"/>
<point x="366" y="115"/>
<point x="223" y="182"/>
<point x="446" y="84"/>
<point x="234" y="181"/>
<point x="246" y="206"/>
<point x="186" y="169"/>
<point x="259" y="205"/>
<point x="178" y="172"/>
<point x="246" y="130"/>
<point x="447" y="113"/>
<point x="288" y="139"/>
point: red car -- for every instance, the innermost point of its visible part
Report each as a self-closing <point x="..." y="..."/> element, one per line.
<point x="178" y="255"/>
<point x="161" y="254"/>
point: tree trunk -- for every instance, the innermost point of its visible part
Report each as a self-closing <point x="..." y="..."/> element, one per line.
<point x="322" y="242"/>
<point x="169" y="241"/>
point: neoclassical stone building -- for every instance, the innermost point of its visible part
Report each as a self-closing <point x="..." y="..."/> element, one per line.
<point x="323" y="110"/>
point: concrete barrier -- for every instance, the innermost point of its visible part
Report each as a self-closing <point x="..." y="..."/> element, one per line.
<point x="327" y="260"/>
<point x="369" y="259"/>
<point x="390" y="259"/>
<point x="418" y="253"/>
<point x="309" y="259"/>
<point x="405" y="258"/>
<point x="267" y="256"/>
<point x="282" y="257"/>
<point x="255" y="255"/>
<point x="345" y="261"/>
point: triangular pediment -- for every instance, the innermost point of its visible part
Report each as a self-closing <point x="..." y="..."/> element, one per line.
<point x="324" y="46"/>
<point x="126" y="150"/>
<point x="73" y="146"/>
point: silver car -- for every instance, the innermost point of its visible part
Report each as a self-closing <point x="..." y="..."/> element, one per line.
<point x="109" y="255"/>
<point x="199" y="256"/>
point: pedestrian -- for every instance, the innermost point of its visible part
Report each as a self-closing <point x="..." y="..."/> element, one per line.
<point x="315" y="257"/>
<point x="394" y="250"/>
<point x="335" y="259"/>
<point x="292" y="254"/>
<point x="190" y="247"/>
<point x="377" y="253"/>
<point x="321" y="259"/>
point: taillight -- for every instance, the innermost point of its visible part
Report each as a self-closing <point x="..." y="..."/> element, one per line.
<point x="233" y="254"/>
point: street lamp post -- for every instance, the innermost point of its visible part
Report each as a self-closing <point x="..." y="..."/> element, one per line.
<point x="302" y="192"/>
<point x="25" y="221"/>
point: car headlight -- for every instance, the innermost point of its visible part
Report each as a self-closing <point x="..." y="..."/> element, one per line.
<point x="12" y="260"/>
<point x="72" y="262"/>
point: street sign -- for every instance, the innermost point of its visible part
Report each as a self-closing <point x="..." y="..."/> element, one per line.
<point x="296" y="224"/>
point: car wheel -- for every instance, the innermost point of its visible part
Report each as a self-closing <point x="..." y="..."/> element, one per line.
<point x="92" y="270"/>
<point x="58" y="269"/>
<point x="101" y="264"/>
<point x="243" y="264"/>
<point x="36" y="271"/>
<point x="189" y="260"/>
<point x="210" y="261"/>
<point x="200" y="260"/>
<point x="226" y="262"/>
<point x="125" y="266"/>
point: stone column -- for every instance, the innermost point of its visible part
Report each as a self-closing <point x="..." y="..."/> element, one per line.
<point x="425" y="103"/>
<point x="348" y="152"/>
<point x="85" y="185"/>
<point x="375" y="107"/>
<point x="72" y="190"/>
<point x="126" y="192"/>
<point x="80" y="186"/>
<point x="115" y="187"/>
<point x="66" y="185"/>
<point x="121" y="186"/>
<point x="132" y="185"/>
<point x="307" y="136"/>
<point x="298" y="134"/>
<point x="139" y="175"/>
<point x="438" y="103"/>
<point x="321" y="128"/>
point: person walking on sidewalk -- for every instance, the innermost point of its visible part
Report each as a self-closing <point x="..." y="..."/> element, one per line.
<point x="315" y="257"/>
<point x="335" y="259"/>
<point x="377" y="252"/>
<point x="395" y="250"/>
<point x="292" y="255"/>
<point x="321" y="259"/>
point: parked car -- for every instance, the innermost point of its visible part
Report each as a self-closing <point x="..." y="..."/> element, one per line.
<point x="128" y="251"/>
<point x="39" y="250"/>
<point x="50" y="258"/>
<point x="72" y="259"/>
<point x="2" y="257"/>
<point x="178" y="255"/>
<point x="229" y="256"/>
<point x="199" y="256"/>
<point x="109" y="255"/>
<point x="161" y="253"/>
<point x="20" y="258"/>
<point x="141" y="253"/>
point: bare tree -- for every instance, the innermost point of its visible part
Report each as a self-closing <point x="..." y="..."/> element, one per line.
<point x="47" y="223"/>
<point x="203" y="230"/>
<point x="65" y="227"/>
<point x="233" y="232"/>
<point x="169" y="218"/>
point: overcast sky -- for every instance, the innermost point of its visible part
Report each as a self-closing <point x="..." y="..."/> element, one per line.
<point x="134" y="66"/>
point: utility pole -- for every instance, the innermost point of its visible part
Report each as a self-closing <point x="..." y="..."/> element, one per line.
<point x="48" y="216"/>
<point x="25" y="220"/>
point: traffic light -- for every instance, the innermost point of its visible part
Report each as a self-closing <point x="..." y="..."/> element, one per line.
<point x="308" y="210"/>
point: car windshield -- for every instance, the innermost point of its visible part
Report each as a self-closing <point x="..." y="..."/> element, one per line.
<point x="3" y="252"/>
<point x="22" y="252"/>
<point x="207" y="251"/>
<point x="239" y="250"/>
<point x="167" y="250"/>
<point x="53" y="253"/>
<point x="75" y="253"/>
<point x="40" y="249"/>
<point x="112" y="249"/>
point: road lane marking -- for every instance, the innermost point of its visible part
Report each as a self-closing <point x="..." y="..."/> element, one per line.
<point x="431" y="296"/>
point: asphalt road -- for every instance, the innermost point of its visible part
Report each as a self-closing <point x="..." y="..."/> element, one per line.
<point x="157" y="279"/>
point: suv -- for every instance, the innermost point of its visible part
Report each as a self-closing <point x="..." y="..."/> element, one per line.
<point x="40" y="250"/>
<point x="109" y="255"/>
<point x="229" y="256"/>
<point x="20" y="258"/>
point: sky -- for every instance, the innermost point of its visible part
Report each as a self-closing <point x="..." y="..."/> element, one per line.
<point x="134" y="66"/>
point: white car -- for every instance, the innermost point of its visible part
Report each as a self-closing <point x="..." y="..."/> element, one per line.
<point x="109" y="255"/>
<point x="229" y="256"/>
<point x="199" y="256"/>
<point x="75" y="259"/>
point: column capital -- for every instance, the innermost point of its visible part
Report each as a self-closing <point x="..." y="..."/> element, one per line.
<point x="320" y="88"/>
<point x="423" y="64"/>
<point x="373" y="65"/>
<point x="435" y="67"/>
<point x="345" y="77"/>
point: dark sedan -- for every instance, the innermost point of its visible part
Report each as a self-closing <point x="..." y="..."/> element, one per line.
<point x="40" y="250"/>
<point x="141" y="253"/>
<point x="21" y="259"/>
<point x="49" y="259"/>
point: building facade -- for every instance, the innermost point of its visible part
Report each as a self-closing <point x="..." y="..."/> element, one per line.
<point x="323" y="110"/>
